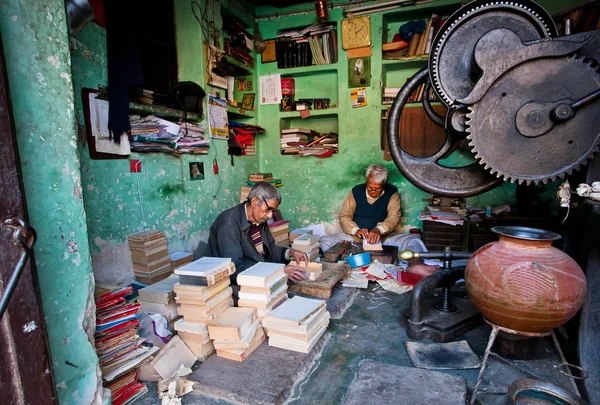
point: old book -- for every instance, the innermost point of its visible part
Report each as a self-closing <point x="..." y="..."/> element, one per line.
<point x="297" y="345"/>
<point x="146" y="234"/>
<point x="149" y="256"/>
<point x="189" y="338"/>
<point x="322" y="320"/>
<point x="242" y="354"/>
<point x="206" y="280"/>
<point x="372" y="246"/>
<point x="296" y="130"/>
<point x="192" y="315"/>
<point x="195" y="328"/>
<point x="262" y="304"/>
<point x="172" y="356"/>
<point x="168" y="310"/>
<point x="243" y="343"/>
<point x="203" y="267"/>
<point x="142" y="355"/>
<point x="179" y="259"/>
<point x="232" y="324"/>
<point x="199" y="293"/>
<point x="144" y="279"/>
<point x="307" y="239"/>
<point x="160" y="293"/>
<point x="209" y="304"/>
<point x="147" y="246"/>
<point x="273" y="324"/>
<point x="261" y="274"/>
<point x="306" y="248"/>
<point x="295" y="311"/>
<point x="202" y="351"/>
<point x="262" y="297"/>
<point x="152" y="266"/>
<point x="268" y="290"/>
<point x="312" y="270"/>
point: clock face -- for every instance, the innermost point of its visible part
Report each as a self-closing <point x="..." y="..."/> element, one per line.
<point x="356" y="32"/>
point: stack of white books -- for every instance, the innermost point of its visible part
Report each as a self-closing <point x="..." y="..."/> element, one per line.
<point x="236" y="333"/>
<point x="262" y="287"/>
<point x="309" y="244"/>
<point x="297" y="324"/>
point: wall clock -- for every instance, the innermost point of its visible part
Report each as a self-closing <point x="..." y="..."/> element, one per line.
<point x="356" y="32"/>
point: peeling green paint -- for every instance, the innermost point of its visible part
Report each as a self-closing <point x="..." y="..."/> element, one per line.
<point x="38" y="64"/>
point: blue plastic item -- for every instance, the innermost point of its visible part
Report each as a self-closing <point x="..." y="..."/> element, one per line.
<point x="359" y="260"/>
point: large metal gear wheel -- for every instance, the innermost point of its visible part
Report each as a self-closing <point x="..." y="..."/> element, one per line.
<point x="452" y="70"/>
<point x="512" y="129"/>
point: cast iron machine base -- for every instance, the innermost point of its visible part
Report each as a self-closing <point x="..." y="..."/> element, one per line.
<point x="444" y="318"/>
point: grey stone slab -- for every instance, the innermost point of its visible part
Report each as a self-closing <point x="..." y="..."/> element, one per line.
<point x="378" y="384"/>
<point x="266" y="377"/>
<point x="442" y="356"/>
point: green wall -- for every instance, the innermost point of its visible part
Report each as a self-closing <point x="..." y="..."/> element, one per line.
<point x="38" y="62"/>
<point x="314" y="189"/>
<point x="161" y="197"/>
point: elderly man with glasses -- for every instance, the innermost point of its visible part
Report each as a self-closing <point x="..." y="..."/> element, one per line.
<point x="242" y="234"/>
<point x="371" y="211"/>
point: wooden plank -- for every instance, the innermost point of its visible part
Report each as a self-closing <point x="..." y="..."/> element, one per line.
<point x="321" y="288"/>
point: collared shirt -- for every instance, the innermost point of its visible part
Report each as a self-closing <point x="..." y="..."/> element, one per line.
<point x="390" y="224"/>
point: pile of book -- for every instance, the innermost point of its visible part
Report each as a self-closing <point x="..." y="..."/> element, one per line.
<point x="236" y="333"/>
<point x="305" y="142"/>
<point x="118" y="345"/>
<point x="296" y="233"/>
<point x="297" y="324"/>
<point x="309" y="244"/>
<point x="280" y="231"/>
<point x="150" y="256"/>
<point x="257" y="177"/>
<point x="179" y="259"/>
<point x="302" y="47"/>
<point x="274" y="182"/>
<point x="159" y="298"/>
<point x="152" y="134"/>
<point x="244" y="133"/>
<point x="262" y="287"/>
<point x="203" y="293"/>
<point x="239" y="43"/>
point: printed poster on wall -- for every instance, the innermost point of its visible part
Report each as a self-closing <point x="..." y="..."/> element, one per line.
<point x="270" y="89"/>
<point x="217" y="117"/>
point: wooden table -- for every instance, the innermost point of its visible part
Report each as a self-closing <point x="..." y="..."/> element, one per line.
<point x="322" y="286"/>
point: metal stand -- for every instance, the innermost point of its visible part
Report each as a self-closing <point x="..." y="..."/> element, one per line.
<point x="494" y="334"/>
<point x="440" y="319"/>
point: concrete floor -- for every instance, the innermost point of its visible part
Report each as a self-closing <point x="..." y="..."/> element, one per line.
<point x="368" y="330"/>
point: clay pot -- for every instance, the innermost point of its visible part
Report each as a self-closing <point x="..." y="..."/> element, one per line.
<point x="522" y="282"/>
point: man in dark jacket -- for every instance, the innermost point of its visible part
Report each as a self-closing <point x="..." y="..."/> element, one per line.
<point x="242" y="234"/>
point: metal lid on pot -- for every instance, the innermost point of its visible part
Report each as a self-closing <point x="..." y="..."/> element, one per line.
<point x="521" y="232"/>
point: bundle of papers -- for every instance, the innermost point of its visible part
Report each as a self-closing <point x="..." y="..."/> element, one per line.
<point x="297" y="324"/>
<point x="262" y="287"/>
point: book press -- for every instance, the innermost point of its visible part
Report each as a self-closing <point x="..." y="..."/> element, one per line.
<point x="524" y="102"/>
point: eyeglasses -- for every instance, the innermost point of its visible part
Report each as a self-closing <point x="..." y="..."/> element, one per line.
<point x="375" y="190"/>
<point x="269" y="209"/>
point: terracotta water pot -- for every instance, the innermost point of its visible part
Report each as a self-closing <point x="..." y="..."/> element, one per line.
<point x="523" y="283"/>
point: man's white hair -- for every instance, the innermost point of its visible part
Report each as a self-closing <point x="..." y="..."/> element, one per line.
<point x="378" y="173"/>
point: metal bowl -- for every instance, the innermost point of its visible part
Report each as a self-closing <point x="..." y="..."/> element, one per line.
<point x="359" y="260"/>
<point x="529" y="391"/>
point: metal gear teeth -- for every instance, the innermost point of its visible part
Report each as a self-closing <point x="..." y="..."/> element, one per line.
<point x="434" y="55"/>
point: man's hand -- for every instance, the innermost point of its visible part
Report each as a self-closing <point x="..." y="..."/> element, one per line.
<point x="362" y="233"/>
<point x="299" y="256"/>
<point x="294" y="273"/>
<point x="374" y="235"/>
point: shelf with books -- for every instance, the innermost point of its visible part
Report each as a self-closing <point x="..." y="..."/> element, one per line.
<point x="314" y="136"/>
<point x="315" y="45"/>
<point x="242" y="69"/>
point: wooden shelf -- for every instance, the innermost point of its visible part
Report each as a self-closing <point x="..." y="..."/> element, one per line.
<point x="313" y="113"/>
<point x="161" y="111"/>
<point x="240" y="112"/>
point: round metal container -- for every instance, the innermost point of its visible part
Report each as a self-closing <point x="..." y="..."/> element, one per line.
<point x="528" y="391"/>
<point x="359" y="260"/>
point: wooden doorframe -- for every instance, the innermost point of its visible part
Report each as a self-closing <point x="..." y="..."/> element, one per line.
<point x="26" y="375"/>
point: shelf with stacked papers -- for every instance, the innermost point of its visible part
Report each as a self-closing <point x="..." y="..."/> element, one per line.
<point x="242" y="69"/>
<point x="313" y="113"/>
<point x="407" y="59"/>
<point x="240" y="112"/>
<point x="161" y="111"/>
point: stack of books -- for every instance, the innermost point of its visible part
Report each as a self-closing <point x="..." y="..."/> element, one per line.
<point x="312" y="270"/>
<point x="245" y="135"/>
<point x="389" y="94"/>
<point x="258" y="177"/>
<point x="305" y="142"/>
<point x="150" y="256"/>
<point x="308" y="243"/>
<point x="159" y="298"/>
<point x="262" y="287"/>
<point x="118" y="344"/>
<point x="203" y="293"/>
<point x="281" y="232"/>
<point x="236" y="333"/>
<point x="297" y="324"/>
<point x="179" y="259"/>
<point x="274" y="182"/>
<point x="244" y="191"/>
<point x="296" y="233"/>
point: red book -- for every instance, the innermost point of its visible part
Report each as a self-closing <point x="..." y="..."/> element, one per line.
<point x="409" y="278"/>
